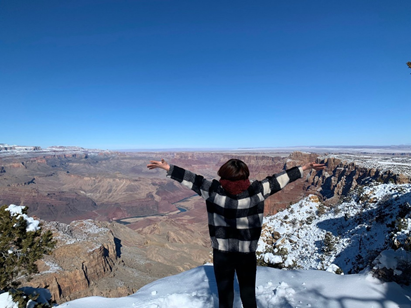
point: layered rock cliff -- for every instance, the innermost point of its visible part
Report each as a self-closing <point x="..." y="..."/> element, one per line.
<point x="109" y="259"/>
<point x="341" y="176"/>
<point x="69" y="187"/>
<point x="85" y="253"/>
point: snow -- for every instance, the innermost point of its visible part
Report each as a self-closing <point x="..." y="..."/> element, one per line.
<point x="77" y="231"/>
<point x="354" y="228"/>
<point x="43" y="297"/>
<point x="53" y="267"/>
<point x="400" y="164"/>
<point x="17" y="210"/>
<point x="273" y="259"/>
<point x="6" y="301"/>
<point x="35" y="151"/>
<point x="391" y="259"/>
<point x="197" y="288"/>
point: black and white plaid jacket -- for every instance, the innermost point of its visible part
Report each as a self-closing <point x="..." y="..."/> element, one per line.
<point x="234" y="221"/>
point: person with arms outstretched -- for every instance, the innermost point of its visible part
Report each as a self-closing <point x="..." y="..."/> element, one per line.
<point x="235" y="207"/>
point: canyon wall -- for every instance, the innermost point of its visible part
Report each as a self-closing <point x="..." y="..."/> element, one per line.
<point x="340" y="177"/>
<point x="105" y="259"/>
<point x="85" y="254"/>
<point x="69" y="187"/>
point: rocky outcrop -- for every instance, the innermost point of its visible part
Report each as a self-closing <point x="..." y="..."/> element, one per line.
<point x="300" y="158"/>
<point x="337" y="180"/>
<point x="340" y="177"/>
<point x="85" y="254"/>
<point x="111" y="260"/>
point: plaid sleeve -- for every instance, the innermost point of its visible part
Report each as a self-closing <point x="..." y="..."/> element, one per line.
<point x="276" y="182"/>
<point x="195" y="182"/>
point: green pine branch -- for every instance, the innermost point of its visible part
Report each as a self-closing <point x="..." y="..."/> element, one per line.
<point x="19" y="248"/>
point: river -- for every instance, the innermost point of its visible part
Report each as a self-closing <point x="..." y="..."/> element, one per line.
<point x="180" y="209"/>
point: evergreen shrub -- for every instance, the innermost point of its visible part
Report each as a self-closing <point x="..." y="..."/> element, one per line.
<point x="20" y="248"/>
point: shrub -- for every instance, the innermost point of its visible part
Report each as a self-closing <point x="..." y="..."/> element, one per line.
<point x="329" y="243"/>
<point x="321" y="209"/>
<point x="309" y="220"/>
<point x="22" y="243"/>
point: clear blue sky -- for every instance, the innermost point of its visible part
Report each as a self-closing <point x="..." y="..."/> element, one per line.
<point x="159" y="74"/>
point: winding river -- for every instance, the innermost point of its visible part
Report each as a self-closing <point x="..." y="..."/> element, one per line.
<point x="180" y="209"/>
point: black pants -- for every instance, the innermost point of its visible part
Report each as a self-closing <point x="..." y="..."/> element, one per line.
<point x="225" y="265"/>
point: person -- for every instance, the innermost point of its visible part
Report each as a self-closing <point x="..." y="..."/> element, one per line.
<point x="235" y="207"/>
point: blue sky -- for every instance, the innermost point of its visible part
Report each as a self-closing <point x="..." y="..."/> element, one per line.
<point x="221" y="74"/>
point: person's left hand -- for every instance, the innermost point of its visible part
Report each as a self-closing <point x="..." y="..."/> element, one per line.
<point x="314" y="166"/>
<point x="158" y="164"/>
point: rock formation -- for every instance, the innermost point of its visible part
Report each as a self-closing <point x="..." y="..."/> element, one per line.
<point x="90" y="260"/>
<point x="340" y="177"/>
<point x="85" y="254"/>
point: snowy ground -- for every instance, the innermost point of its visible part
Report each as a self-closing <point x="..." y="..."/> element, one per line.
<point x="196" y="288"/>
<point x="357" y="228"/>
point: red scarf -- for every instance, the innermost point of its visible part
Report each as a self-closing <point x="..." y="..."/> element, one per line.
<point x="235" y="187"/>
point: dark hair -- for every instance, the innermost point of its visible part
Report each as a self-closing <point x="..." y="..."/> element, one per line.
<point x="234" y="170"/>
